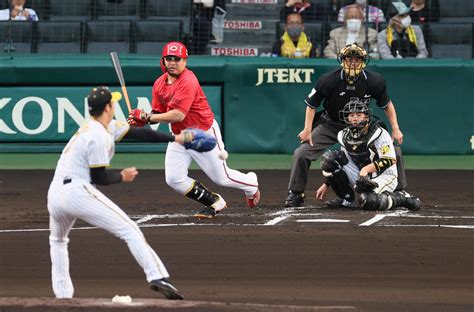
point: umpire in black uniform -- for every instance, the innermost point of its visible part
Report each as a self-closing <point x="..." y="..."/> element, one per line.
<point x="333" y="90"/>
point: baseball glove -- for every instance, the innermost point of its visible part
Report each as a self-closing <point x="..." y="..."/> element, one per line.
<point x="365" y="185"/>
<point x="198" y="140"/>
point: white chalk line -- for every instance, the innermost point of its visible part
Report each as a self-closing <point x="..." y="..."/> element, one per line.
<point x="429" y="225"/>
<point x="279" y="216"/>
<point x="324" y="220"/>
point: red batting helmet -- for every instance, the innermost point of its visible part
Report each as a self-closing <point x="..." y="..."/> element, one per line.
<point x="175" y="49"/>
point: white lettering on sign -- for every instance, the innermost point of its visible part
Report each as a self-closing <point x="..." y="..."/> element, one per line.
<point x="243" y="24"/>
<point x="64" y="107"/>
<point x="256" y="1"/>
<point x="17" y="115"/>
<point x="234" y="51"/>
<point x="284" y="75"/>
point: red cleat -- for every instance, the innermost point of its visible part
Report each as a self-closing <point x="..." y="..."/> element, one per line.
<point x="252" y="201"/>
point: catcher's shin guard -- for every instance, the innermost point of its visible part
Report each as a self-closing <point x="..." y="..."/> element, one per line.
<point x="339" y="182"/>
<point x="374" y="201"/>
<point x="388" y="200"/>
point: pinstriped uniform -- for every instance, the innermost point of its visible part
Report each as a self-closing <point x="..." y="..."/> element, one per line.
<point x="381" y="145"/>
<point x="92" y="146"/>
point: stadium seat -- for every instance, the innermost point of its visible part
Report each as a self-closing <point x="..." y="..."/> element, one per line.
<point x="151" y="36"/>
<point x="21" y="35"/>
<point x="314" y="30"/>
<point x="61" y="10"/>
<point x="118" y="10"/>
<point x="108" y="36"/>
<point x="171" y="10"/>
<point x="60" y="37"/>
<point x="456" y="11"/>
<point x="451" y="40"/>
<point x="41" y="8"/>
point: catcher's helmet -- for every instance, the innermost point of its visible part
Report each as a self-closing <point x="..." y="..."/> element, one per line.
<point x="355" y="106"/>
<point x="351" y="51"/>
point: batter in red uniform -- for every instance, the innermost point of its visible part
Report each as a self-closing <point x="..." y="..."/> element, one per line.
<point x="178" y="99"/>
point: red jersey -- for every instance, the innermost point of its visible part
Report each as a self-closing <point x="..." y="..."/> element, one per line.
<point x="185" y="95"/>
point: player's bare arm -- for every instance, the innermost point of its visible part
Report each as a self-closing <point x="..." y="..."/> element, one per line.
<point x="171" y="116"/>
<point x="143" y="118"/>
<point x="305" y="134"/>
<point x="391" y="114"/>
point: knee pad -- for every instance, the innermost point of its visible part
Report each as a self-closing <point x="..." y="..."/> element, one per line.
<point x="373" y="201"/>
<point x="333" y="160"/>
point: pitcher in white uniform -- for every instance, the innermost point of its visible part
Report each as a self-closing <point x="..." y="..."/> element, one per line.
<point x="72" y="194"/>
<point x="363" y="173"/>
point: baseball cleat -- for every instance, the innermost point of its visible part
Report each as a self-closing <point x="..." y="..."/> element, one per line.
<point x="166" y="288"/>
<point x="253" y="200"/>
<point x="219" y="203"/>
<point x="206" y="213"/>
<point x="294" y="199"/>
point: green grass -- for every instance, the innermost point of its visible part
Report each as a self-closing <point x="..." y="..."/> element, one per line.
<point x="235" y="161"/>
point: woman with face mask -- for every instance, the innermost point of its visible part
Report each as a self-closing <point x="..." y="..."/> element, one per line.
<point x="294" y="43"/>
<point x="401" y="39"/>
<point x="353" y="31"/>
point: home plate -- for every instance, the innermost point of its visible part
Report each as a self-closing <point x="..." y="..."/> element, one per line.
<point x="323" y="220"/>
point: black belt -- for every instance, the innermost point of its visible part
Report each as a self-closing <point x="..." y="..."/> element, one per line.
<point x="66" y="181"/>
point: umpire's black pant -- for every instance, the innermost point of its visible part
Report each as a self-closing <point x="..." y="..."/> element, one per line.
<point x="324" y="136"/>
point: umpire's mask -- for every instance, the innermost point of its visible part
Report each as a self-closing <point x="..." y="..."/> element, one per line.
<point x="347" y="60"/>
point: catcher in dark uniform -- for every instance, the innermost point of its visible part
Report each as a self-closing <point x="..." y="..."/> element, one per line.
<point x="332" y="91"/>
<point x="363" y="173"/>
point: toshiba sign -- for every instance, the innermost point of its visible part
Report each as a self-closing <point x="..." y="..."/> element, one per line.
<point x="243" y="24"/>
<point x="234" y="51"/>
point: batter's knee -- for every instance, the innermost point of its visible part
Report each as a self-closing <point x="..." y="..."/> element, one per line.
<point x="176" y="182"/>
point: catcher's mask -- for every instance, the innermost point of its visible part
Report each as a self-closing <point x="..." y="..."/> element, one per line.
<point x="355" y="106"/>
<point x="352" y="69"/>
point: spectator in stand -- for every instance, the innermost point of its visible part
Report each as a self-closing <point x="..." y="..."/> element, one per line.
<point x="353" y="31"/>
<point x="309" y="11"/>
<point x="421" y="13"/>
<point x="376" y="15"/>
<point x="294" y="43"/>
<point x="18" y="12"/>
<point x="401" y="39"/>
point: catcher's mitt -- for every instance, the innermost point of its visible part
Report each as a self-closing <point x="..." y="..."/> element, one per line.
<point x="365" y="185"/>
<point x="198" y="140"/>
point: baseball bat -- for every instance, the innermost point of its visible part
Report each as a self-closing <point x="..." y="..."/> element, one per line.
<point x="118" y="71"/>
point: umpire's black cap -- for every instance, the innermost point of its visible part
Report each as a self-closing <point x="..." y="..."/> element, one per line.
<point x="99" y="97"/>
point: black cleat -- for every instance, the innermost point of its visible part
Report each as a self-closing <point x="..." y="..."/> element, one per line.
<point x="166" y="288"/>
<point x="294" y="199"/>
<point x="335" y="203"/>
<point x="206" y="213"/>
